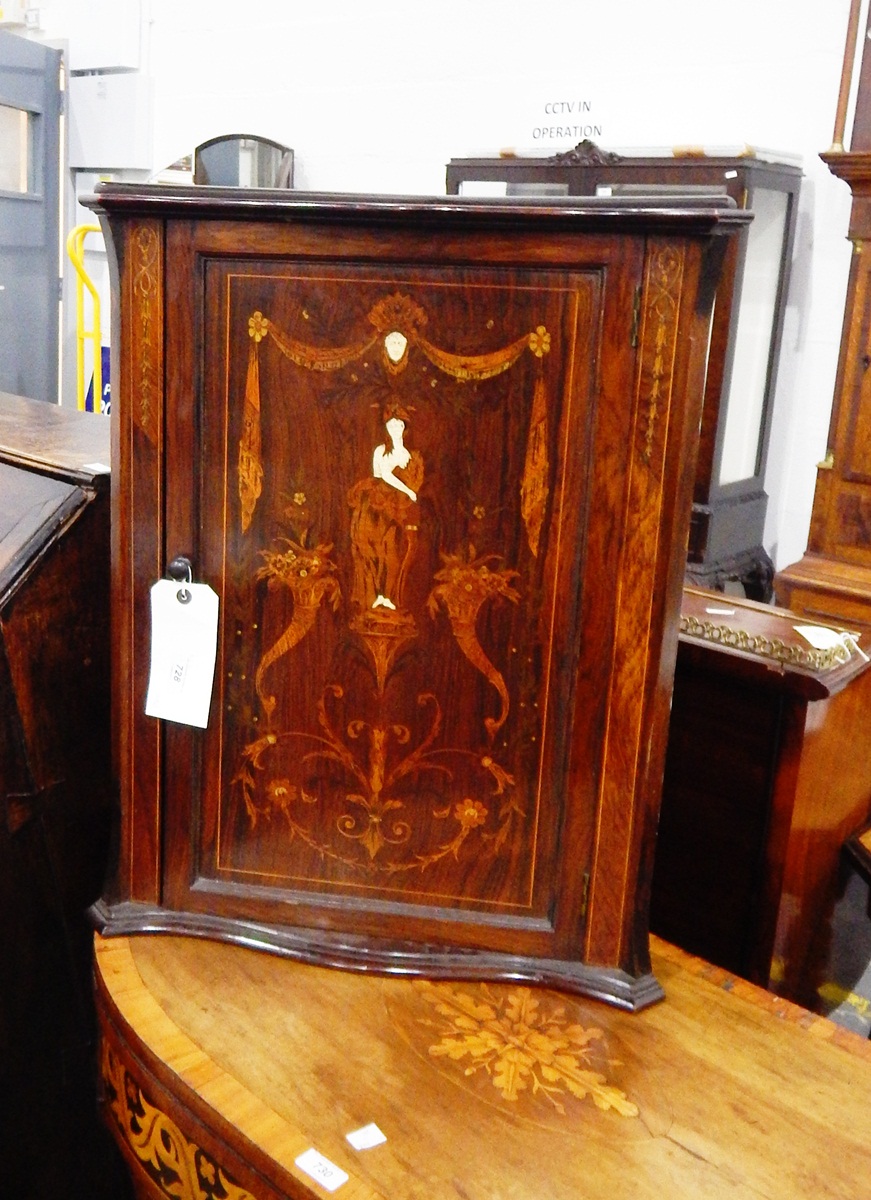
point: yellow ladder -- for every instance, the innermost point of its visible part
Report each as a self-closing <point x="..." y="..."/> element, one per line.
<point x="76" y="251"/>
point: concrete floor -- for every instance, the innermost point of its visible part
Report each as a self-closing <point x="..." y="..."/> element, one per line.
<point x="845" y="996"/>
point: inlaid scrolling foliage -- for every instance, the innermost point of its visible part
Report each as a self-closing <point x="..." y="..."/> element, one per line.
<point x="145" y="254"/>
<point x="665" y="277"/>
<point x="175" y="1165"/>
<point x="370" y="785"/>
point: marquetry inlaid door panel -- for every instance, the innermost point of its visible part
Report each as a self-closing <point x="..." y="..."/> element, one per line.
<point x="437" y="471"/>
<point x="400" y="565"/>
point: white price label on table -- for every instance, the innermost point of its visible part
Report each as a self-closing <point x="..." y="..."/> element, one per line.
<point x="327" y="1174"/>
<point x="367" y="1137"/>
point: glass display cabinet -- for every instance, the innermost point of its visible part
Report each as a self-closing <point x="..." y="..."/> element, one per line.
<point x="729" y="501"/>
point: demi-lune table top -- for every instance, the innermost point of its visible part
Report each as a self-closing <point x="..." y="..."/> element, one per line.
<point x="222" y="1066"/>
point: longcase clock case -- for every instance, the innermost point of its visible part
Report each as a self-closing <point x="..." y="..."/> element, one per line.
<point x="436" y="459"/>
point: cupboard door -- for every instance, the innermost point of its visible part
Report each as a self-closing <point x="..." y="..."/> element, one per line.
<point x="393" y="486"/>
<point x="384" y="514"/>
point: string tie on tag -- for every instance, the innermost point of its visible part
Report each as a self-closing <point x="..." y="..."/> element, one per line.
<point x="180" y="570"/>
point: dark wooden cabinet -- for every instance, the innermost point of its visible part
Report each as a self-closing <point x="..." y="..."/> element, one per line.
<point x="766" y="776"/>
<point x="435" y="458"/>
<point x="729" y="500"/>
<point x="55" y="801"/>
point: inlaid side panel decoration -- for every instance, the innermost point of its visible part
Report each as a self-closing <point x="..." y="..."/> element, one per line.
<point x="389" y="454"/>
<point x="146" y="283"/>
<point x="175" y="1166"/>
<point x="141" y="438"/>
<point x="665" y="276"/>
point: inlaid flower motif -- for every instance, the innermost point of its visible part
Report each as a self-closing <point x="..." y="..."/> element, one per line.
<point x="539" y="341"/>
<point x="296" y="562"/>
<point x="258" y="326"/>
<point x="282" y="796"/>
<point x="280" y="792"/>
<point x="470" y="813"/>
<point x="525" y="1043"/>
<point x="469" y="573"/>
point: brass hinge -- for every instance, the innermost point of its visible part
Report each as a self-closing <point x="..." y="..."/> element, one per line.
<point x="828" y="463"/>
<point x="636" y="317"/>
<point x="585" y="894"/>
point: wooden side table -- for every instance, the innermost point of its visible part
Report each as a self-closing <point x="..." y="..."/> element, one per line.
<point x="223" y="1066"/>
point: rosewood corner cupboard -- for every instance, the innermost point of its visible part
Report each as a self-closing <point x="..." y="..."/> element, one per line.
<point x="435" y="458"/>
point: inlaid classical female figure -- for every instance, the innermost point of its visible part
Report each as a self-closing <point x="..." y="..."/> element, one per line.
<point x="384" y="522"/>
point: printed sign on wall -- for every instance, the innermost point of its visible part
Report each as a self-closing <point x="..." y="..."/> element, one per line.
<point x="569" y="120"/>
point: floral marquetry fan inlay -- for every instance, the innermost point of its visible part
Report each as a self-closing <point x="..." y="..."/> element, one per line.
<point x="432" y="458"/>
<point x="530" y="1046"/>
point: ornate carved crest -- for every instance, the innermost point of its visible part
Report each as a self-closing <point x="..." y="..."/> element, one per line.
<point x="587" y="154"/>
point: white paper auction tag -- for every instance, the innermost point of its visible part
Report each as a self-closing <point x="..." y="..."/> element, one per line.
<point x="327" y="1174"/>
<point x="820" y="637"/>
<point x="184" y="638"/>
<point x="367" y="1137"/>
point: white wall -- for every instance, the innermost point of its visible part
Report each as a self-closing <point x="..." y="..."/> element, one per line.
<point x="378" y="95"/>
